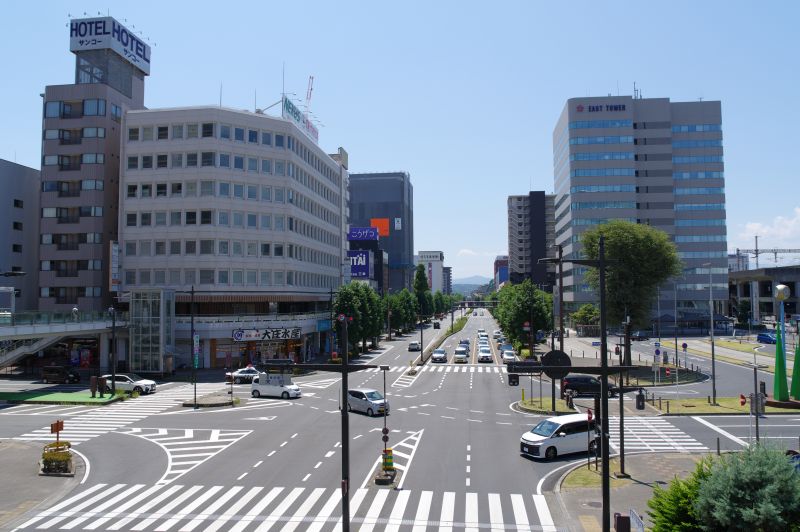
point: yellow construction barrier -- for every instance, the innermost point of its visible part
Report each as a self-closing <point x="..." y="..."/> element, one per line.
<point x="388" y="460"/>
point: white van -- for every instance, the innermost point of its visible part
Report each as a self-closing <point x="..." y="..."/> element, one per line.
<point x="274" y="385"/>
<point x="559" y="435"/>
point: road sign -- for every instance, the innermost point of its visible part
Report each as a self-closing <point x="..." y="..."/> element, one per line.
<point x="596" y="344"/>
<point x="196" y="351"/>
<point x="340" y="317"/>
<point x="526" y="326"/>
<point x="667" y="372"/>
<point x="589" y="415"/>
<point x="658" y="352"/>
<point x="556" y="358"/>
<point x="684" y="345"/>
<point x="657" y="344"/>
<point x="742" y="399"/>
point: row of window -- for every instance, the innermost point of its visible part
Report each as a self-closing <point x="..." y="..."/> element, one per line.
<point x="79" y="108"/>
<point x="699" y="190"/>
<point x="602" y="156"/>
<point x="580" y="205"/>
<point x="206" y="217"/>
<point x="702" y="254"/>
<point x="228" y="278"/>
<point x="76" y="265"/>
<point x="701" y="286"/>
<point x="715" y="222"/>
<point x="223" y="189"/>
<point x="71" y="135"/>
<point x="66" y="160"/>
<point x="699" y="206"/>
<point x="70" y="240"/>
<point x="589" y="124"/>
<point x="702" y="143"/>
<point x="698" y="175"/>
<point x="593" y="172"/>
<point x="602" y="188"/>
<point x="67" y="292"/>
<point x="695" y="159"/>
<point x="625" y="139"/>
<point x="63" y="212"/>
<point x="72" y="186"/>
<point x="700" y="238"/>
<point x="696" y="128"/>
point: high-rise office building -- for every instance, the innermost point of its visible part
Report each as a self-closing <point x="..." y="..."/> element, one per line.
<point x="649" y="161"/>
<point x="386" y="200"/>
<point x="531" y="237"/>
<point x="80" y="163"/>
<point x="19" y="236"/>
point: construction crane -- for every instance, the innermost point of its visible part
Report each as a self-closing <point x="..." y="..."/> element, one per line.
<point x="308" y="93"/>
<point x="757" y="252"/>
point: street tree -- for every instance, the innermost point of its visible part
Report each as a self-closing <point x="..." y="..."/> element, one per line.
<point x="520" y="303"/>
<point x="420" y="288"/>
<point x="672" y="508"/>
<point x="587" y="314"/>
<point x="348" y="302"/>
<point x="371" y="316"/>
<point x="407" y="305"/>
<point x="640" y="259"/>
<point x="439" y="304"/>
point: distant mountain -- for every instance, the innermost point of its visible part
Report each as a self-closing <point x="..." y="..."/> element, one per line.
<point x="475" y="279"/>
<point x="465" y="289"/>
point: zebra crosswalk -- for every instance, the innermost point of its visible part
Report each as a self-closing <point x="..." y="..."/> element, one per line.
<point x="445" y="368"/>
<point x="651" y="433"/>
<point x="238" y="508"/>
<point x="100" y="420"/>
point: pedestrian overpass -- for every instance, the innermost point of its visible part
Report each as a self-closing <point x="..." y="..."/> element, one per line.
<point x="25" y="333"/>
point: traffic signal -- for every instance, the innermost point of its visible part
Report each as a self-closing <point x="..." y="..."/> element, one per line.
<point x="513" y="379"/>
<point x="742" y="399"/>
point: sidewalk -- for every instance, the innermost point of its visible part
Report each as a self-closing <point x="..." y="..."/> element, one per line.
<point x="19" y="464"/>
<point x="582" y="507"/>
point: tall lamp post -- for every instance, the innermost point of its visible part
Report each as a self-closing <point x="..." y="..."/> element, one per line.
<point x="113" y="312"/>
<point x="711" y="323"/>
<point x="560" y="261"/>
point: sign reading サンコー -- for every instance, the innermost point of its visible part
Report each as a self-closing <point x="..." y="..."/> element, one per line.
<point x="107" y="33"/>
<point x="278" y="333"/>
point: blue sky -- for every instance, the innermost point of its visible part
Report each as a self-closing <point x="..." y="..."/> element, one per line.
<point x="463" y="95"/>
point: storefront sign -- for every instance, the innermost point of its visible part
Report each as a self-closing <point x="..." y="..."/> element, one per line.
<point x="398" y="224"/>
<point x="106" y="33"/>
<point x="280" y="333"/>
<point x="362" y="233"/>
<point x="323" y="325"/>
<point x="359" y="264"/>
<point x="294" y="114"/>
<point x="382" y="224"/>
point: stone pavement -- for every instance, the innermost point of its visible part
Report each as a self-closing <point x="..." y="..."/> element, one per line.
<point x="24" y="489"/>
<point x="582" y="507"/>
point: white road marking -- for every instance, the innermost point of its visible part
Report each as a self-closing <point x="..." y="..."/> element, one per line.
<point x="421" y="518"/>
<point x="545" y="519"/>
<point x="397" y="512"/>
<point x="721" y="431"/>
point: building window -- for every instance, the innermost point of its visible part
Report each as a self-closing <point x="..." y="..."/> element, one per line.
<point x="252" y="136"/>
<point x="162" y="133"/>
<point x="206" y="217"/>
<point x="266" y="278"/>
<point x="252" y="249"/>
<point x="206" y="188"/>
<point x="175" y="218"/>
<point x="238" y="134"/>
<point x="206" y="247"/>
<point x="266" y="221"/>
<point x="238" y="190"/>
<point x="238" y="219"/>
<point x="223" y="247"/>
<point x="16" y="226"/>
<point x="191" y="189"/>
<point x="238" y="162"/>
<point x="94" y="107"/>
<point x="161" y="247"/>
<point x="133" y="162"/>
<point x="252" y="192"/>
<point x="277" y="250"/>
<point x="190" y="247"/>
<point x="145" y="219"/>
<point x="266" y="166"/>
<point x="207" y="158"/>
<point x="191" y="131"/>
<point x="191" y="217"/>
<point x="252" y="164"/>
<point x="161" y="218"/>
<point x="279" y="141"/>
<point x="174" y="247"/>
<point x="251" y="277"/>
<point x="225" y="160"/>
<point x="280" y="168"/>
<point x="222" y="276"/>
<point x="266" y="193"/>
<point x="161" y="161"/>
<point x="133" y="133"/>
<point x="130" y="219"/>
<point x="223" y="218"/>
<point x="177" y="160"/>
<point x="191" y="160"/>
<point x="177" y="131"/>
<point x="132" y="190"/>
<point x="130" y="249"/>
<point x="174" y="277"/>
<point x="252" y="221"/>
<point x="147" y="190"/>
<point x="238" y="277"/>
<point x="225" y="189"/>
<point x="265" y="249"/>
<point x="161" y="190"/>
<point x="147" y="161"/>
<point x="177" y="189"/>
<point x="144" y="277"/>
<point x="208" y="130"/>
<point x="225" y="132"/>
<point x="147" y="133"/>
<point x="237" y="249"/>
<point x="145" y="248"/>
<point x="266" y="138"/>
<point x="206" y="276"/>
<point x="189" y="276"/>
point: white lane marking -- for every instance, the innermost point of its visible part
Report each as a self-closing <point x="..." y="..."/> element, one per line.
<point x="279" y="510"/>
<point x="723" y="432"/>
<point x="520" y="514"/>
<point x="357" y="437"/>
<point x="144" y="508"/>
<point x="322" y="517"/>
<point x="294" y="435"/>
<point x="374" y="511"/>
<point x="545" y="519"/>
<point x="448" y="507"/>
<point x="85" y="461"/>
<point x="240" y="477"/>
<point x="271" y="453"/>
<point x="211" y="510"/>
<point x="256" y="510"/>
<point x="114" y="500"/>
<point x="329" y="454"/>
<point x="496" y="513"/>
<point x="301" y="512"/>
<point x="395" y="520"/>
<point x="258" y="463"/>
<point x="471" y="515"/>
<point x="421" y="519"/>
<point x="233" y="510"/>
<point x="318" y="464"/>
<point x="306" y="477"/>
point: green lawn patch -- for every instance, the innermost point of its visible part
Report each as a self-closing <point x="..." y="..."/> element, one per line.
<point x="544" y="407"/>
<point x="589" y="477"/>
<point x="725" y="405"/>
<point x="80" y="397"/>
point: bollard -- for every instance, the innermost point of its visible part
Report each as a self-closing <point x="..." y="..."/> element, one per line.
<point x="717" y="445"/>
<point x="659" y="403"/>
<point x="667" y="406"/>
<point x="595" y="354"/>
<point x="93" y="385"/>
<point x="708" y="398"/>
<point x="523" y="395"/>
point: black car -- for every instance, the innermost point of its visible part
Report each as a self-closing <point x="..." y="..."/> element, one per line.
<point x="639" y="336"/>
<point x="585" y="385"/>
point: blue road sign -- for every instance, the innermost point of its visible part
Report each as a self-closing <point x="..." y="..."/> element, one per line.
<point x="595" y="344"/>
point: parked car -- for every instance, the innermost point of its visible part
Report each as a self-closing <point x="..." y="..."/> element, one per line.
<point x="414" y="346"/>
<point x="59" y="374"/>
<point x="242" y="375"/>
<point x="509" y="356"/>
<point x="439" y="355"/>
<point x="274" y="385"/>
<point x="559" y="435"/>
<point x="130" y="382"/>
<point x="485" y="354"/>
<point x="585" y="384"/>
<point x="461" y="355"/>
<point x="366" y="400"/>
<point x="639" y="336"/>
<point x="767" y="338"/>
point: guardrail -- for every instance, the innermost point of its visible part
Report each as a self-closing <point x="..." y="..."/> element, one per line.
<point x="252" y="318"/>
<point x="56" y="317"/>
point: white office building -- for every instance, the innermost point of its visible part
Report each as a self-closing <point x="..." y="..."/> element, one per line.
<point x="434" y="263"/>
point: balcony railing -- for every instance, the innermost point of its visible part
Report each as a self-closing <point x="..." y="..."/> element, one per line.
<point x="66" y="167"/>
<point x="67" y="273"/>
<point x="69" y="141"/>
<point x="67" y="246"/>
<point x="59" y="317"/>
<point x="70" y="193"/>
<point x="69" y="219"/>
<point x="241" y="320"/>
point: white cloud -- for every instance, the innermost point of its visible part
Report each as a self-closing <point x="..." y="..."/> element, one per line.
<point x="466" y="253"/>
<point x="783" y="232"/>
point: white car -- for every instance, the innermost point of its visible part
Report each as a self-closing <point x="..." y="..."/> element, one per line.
<point x="274" y="385"/>
<point x="461" y="356"/>
<point x="559" y="435"/>
<point x="485" y="354"/>
<point x="131" y="383"/>
<point x="509" y="356"/>
<point x="439" y="355"/>
<point x="497" y="334"/>
<point x="414" y="346"/>
<point x="242" y="375"/>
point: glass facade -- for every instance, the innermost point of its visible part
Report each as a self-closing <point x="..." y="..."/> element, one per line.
<point x="151" y="328"/>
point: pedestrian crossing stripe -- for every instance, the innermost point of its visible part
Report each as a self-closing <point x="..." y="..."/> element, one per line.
<point x="184" y="508"/>
<point x="444" y="368"/>
<point x="650" y="433"/>
<point x="101" y="420"/>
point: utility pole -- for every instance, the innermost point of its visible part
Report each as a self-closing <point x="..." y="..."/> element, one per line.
<point x="345" y="431"/>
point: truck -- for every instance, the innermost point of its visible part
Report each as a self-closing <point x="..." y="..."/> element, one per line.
<point x="274" y="385"/>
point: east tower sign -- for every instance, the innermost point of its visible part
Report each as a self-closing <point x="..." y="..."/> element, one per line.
<point x="107" y="33"/>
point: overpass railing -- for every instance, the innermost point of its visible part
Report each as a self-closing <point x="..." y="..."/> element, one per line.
<point x="56" y="317"/>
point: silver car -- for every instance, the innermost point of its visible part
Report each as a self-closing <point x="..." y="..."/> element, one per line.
<point x="366" y="400"/>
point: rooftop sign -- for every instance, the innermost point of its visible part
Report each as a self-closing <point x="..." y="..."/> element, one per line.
<point x="290" y="111"/>
<point x="106" y="33"/>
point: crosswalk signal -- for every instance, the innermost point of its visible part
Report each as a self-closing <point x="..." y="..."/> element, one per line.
<point x="513" y="379"/>
<point x="742" y="399"/>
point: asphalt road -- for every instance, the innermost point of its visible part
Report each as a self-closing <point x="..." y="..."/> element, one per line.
<point x="277" y="464"/>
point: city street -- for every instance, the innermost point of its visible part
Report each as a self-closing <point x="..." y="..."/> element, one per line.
<point x="276" y="464"/>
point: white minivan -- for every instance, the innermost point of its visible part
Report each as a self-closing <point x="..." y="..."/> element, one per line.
<point x="367" y="400"/>
<point x="274" y="385"/>
<point x="555" y="436"/>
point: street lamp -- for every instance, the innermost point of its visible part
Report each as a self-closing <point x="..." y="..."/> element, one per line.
<point x="113" y="312"/>
<point x="711" y="321"/>
<point x="560" y="261"/>
<point x="384" y="369"/>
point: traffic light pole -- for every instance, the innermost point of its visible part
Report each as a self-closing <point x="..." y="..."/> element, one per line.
<point x="345" y="433"/>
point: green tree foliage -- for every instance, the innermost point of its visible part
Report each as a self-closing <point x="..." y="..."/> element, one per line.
<point x="671" y="508"/>
<point x="348" y="303"/>
<point x="756" y="489"/>
<point x="407" y="305"/>
<point x="588" y="314"/>
<point x="371" y="316"/>
<point x="420" y="284"/>
<point x="520" y="303"/>
<point x="643" y="258"/>
<point x="439" y="305"/>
